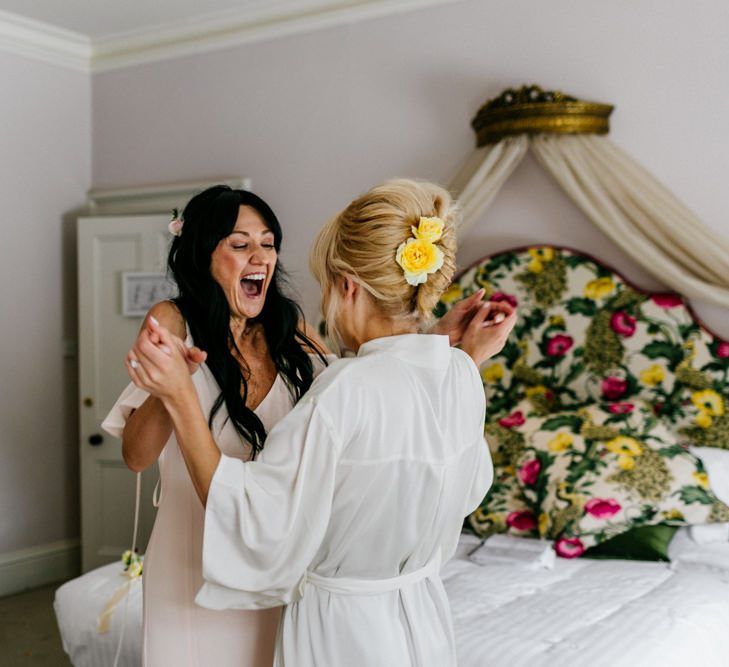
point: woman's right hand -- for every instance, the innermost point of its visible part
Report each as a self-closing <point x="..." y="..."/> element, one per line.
<point x="148" y="427"/>
<point x="158" y="363"/>
<point x="194" y="356"/>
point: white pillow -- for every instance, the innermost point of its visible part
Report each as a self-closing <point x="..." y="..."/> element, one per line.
<point x="716" y="462"/>
<point x="684" y="552"/>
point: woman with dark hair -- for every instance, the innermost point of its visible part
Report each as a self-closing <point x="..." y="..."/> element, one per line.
<point x="259" y="360"/>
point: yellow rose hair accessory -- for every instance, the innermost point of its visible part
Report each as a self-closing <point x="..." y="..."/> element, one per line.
<point x="418" y="257"/>
<point x="429" y="229"/>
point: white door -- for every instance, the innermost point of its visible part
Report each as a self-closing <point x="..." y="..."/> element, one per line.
<point x="109" y="247"/>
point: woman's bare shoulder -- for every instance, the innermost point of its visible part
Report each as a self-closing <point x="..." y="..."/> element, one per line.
<point x="318" y="344"/>
<point x="170" y="317"/>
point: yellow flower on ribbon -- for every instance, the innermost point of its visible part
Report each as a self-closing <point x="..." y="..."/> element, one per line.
<point x="709" y="401"/>
<point x="702" y="479"/>
<point x="704" y="419"/>
<point x="599" y="288"/>
<point x="542" y="254"/>
<point x="134" y="570"/>
<point x="652" y="375"/>
<point x="537" y="390"/>
<point x="452" y="294"/>
<point x="132" y="564"/>
<point x="492" y="373"/>
<point x="543" y="523"/>
<point x="560" y="442"/>
<point x="419" y="258"/>
<point x="624" y="445"/>
<point x="673" y="515"/>
<point x="429" y="229"/>
<point x="556" y="321"/>
<point x="626" y="462"/>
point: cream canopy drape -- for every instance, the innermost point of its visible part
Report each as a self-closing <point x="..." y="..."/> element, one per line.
<point x="628" y="204"/>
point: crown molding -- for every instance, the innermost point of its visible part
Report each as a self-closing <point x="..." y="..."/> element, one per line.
<point x="200" y="34"/>
<point x="44" y="42"/>
<point x="211" y="32"/>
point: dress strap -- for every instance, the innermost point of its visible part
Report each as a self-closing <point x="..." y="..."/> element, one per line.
<point x="355" y="586"/>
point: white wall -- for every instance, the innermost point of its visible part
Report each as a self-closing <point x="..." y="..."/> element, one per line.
<point x="45" y="169"/>
<point x="315" y="119"/>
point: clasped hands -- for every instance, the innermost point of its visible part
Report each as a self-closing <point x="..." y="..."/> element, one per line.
<point x="160" y="363"/>
<point x="480" y="327"/>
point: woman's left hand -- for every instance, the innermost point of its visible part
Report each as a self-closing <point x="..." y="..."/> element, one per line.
<point x="488" y="330"/>
<point x="157" y="363"/>
<point x="455" y="322"/>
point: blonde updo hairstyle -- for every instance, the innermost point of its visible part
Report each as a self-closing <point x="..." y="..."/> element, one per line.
<point x="362" y="242"/>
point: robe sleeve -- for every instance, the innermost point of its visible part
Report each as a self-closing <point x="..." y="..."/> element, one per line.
<point x="266" y="519"/>
<point x="483" y="469"/>
<point x="483" y="476"/>
<point x="131" y="398"/>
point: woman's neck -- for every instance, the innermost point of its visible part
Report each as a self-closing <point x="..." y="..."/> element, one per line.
<point x="245" y="331"/>
<point x="378" y="327"/>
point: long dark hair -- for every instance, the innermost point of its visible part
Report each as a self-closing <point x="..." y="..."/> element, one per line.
<point x="208" y="218"/>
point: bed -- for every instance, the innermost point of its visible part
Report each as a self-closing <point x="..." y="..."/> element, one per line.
<point x="582" y="612"/>
<point x="608" y="419"/>
<point x="602" y="613"/>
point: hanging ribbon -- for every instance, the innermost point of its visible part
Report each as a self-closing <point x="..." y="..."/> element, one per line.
<point x="133" y="572"/>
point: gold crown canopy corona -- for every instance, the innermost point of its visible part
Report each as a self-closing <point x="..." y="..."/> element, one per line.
<point x="531" y="110"/>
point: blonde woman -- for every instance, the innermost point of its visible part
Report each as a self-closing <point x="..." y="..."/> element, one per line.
<point x="360" y="491"/>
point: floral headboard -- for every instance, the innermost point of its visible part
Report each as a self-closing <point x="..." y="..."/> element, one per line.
<point x="586" y="335"/>
<point x="594" y="402"/>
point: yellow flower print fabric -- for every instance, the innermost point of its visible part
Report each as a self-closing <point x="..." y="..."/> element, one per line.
<point x="587" y="339"/>
<point x="591" y="475"/>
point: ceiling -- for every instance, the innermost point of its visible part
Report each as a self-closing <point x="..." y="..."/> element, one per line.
<point x="98" y="19"/>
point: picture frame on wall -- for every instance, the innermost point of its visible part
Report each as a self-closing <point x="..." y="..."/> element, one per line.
<point x="141" y="290"/>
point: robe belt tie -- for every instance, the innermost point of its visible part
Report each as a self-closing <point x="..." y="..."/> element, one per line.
<point x="355" y="586"/>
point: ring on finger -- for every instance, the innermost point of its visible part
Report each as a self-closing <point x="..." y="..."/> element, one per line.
<point x="134" y="363"/>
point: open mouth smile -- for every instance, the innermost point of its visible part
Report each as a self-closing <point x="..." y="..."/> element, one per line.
<point x="252" y="284"/>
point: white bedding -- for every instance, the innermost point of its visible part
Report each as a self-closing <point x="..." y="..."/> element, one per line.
<point x="78" y="604"/>
<point x="596" y="613"/>
<point x="582" y="613"/>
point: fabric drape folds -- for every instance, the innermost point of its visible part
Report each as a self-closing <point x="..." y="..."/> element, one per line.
<point x="483" y="174"/>
<point x="620" y="197"/>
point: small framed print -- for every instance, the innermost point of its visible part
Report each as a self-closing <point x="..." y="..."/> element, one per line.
<point x="140" y="291"/>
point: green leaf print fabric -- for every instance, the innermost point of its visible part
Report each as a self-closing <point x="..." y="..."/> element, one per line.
<point x="638" y="363"/>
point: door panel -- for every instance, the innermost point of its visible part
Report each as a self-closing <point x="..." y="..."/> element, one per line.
<point x="108" y="247"/>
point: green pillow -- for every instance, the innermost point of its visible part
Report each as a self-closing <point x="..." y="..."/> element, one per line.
<point x="641" y="543"/>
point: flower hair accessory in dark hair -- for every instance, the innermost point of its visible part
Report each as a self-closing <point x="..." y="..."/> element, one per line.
<point x="175" y="226"/>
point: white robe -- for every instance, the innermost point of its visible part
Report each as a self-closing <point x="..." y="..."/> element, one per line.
<point x="357" y="498"/>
